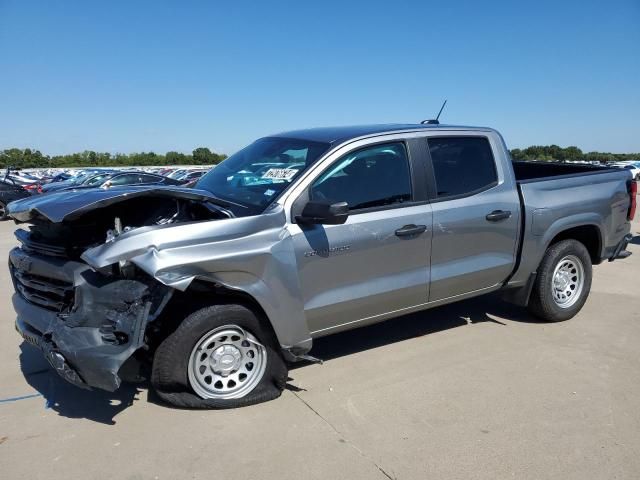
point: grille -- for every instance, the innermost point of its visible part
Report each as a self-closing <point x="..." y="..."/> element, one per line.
<point x="32" y="246"/>
<point x="55" y="295"/>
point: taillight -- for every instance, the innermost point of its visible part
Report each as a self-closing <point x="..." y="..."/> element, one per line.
<point x="633" y="191"/>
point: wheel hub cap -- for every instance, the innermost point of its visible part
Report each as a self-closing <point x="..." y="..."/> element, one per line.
<point x="225" y="360"/>
<point x="568" y="281"/>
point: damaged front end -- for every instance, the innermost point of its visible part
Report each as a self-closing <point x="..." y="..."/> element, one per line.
<point x="89" y="322"/>
<point x="89" y="334"/>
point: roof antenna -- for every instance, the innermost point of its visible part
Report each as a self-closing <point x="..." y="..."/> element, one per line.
<point x="435" y="121"/>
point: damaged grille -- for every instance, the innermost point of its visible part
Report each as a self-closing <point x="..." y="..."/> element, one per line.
<point x="31" y="245"/>
<point x="52" y="294"/>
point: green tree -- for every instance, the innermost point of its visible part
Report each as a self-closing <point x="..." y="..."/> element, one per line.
<point x="204" y="156"/>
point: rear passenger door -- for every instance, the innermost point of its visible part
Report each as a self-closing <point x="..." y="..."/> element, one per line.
<point x="476" y="214"/>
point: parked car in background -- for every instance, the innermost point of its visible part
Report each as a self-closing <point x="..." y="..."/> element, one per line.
<point x="115" y="179"/>
<point x="177" y="173"/>
<point x="22" y="177"/>
<point x="74" y="181"/>
<point x="633" y="167"/>
<point x="10" y="190"/>
<point x="59" y="177"/>
<point x="189" y="176"/>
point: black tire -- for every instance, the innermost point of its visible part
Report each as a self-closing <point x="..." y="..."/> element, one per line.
<point x="542" y="303"/>
<point x="169" y="375"/>
<point x="3" y="211"/>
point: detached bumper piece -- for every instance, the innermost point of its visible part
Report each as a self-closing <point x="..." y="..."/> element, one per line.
<point x="96" y="330"/>
<point x="620" y="252"/>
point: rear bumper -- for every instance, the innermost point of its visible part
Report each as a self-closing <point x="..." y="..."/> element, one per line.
<point x="620" y="251"/>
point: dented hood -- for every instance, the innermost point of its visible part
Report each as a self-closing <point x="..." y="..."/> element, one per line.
<point x="68" y="205"/>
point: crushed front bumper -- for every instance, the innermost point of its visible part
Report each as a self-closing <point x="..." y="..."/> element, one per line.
<point x="88" y="344"/>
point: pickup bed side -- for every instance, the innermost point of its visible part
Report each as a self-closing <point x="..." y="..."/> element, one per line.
<point x="593" y="206"/>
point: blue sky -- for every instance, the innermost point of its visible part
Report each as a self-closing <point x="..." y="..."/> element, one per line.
<point x="125" y="76"/>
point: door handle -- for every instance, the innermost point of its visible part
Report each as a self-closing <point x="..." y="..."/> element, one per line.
<point x="498" y="215"/>
<point x="411" y="229"/>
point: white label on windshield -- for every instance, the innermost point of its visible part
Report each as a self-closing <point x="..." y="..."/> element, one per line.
<point x="280" y="173"/>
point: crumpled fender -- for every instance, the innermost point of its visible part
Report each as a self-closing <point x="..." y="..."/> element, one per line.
<point x="250" y="254"/>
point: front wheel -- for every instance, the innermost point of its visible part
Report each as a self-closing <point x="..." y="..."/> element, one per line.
<point x="563" y="282"/>
<point x="221" y="356"/>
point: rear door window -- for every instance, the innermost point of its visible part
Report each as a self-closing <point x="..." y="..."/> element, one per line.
<point x="462" y="165"/>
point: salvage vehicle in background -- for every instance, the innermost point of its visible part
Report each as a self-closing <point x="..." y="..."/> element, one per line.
<point x="74" y="181"/>
<point x="220" y="287"/>
<point x="114" y="179"/>
<point x="10" y="190"/>
<point x="633" y="167"/>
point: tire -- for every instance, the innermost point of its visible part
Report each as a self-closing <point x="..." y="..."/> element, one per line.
<point x="204" y="342"/>
<point x="3" y="212"/>
<point x="564" y="264"/>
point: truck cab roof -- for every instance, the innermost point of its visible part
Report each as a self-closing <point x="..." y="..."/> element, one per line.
<point x="336" y="135"/>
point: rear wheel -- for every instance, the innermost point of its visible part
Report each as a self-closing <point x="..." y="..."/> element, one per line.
<point x="3" y="212"/>
<point x="563" y="282"/>
<point x="221" y="356"/>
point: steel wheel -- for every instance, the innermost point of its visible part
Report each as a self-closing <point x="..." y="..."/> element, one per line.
<point x="568" y="281"/>
<point x="227" y="362"/>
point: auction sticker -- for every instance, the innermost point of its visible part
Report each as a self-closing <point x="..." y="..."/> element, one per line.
<point x="280" y="173"/>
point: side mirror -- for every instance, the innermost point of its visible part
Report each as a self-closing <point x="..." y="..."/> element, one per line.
<point x="324" y="213"/>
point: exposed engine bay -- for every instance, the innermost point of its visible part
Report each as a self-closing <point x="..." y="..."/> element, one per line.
<point x="88" y="321"/>
<point x="71" y="238"/>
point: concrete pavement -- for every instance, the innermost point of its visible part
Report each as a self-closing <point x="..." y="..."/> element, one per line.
<point x="474" y="390"/>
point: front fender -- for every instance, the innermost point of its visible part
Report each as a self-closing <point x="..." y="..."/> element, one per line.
<point x="254" y="255"/>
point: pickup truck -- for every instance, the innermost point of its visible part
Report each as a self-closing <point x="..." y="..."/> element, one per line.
<point x="216" y="290"/>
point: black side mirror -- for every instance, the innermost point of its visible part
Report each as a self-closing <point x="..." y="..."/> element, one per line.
<point x="325" y="213"/>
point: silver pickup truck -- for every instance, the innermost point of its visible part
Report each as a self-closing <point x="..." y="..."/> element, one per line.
<point x="299" y="235"/>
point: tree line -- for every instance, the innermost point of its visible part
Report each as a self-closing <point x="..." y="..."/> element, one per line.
<point x="30" y="158"/>
<point x="555" y="153"/>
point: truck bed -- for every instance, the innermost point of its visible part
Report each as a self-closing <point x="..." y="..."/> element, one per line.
<point x="556" y="197"/>
<point x="534" y="171"/>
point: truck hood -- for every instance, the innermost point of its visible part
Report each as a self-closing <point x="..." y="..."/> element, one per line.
<point x="63" y="206"/>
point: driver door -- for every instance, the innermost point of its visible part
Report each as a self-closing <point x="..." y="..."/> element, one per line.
<point x="377" y="262"/>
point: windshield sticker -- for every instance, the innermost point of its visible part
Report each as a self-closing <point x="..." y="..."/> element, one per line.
<point x="269" y="192"/>
<point x="280" y="173"/>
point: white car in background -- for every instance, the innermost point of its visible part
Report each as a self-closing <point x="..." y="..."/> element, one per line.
<point x="634" y="166"/>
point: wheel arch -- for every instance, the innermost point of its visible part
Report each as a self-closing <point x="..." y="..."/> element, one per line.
<point x="589" y="235"/>
<point x="286" y="323"/>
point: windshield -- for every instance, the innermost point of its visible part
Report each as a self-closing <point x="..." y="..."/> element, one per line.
<point x="251" y="179"/>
